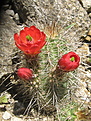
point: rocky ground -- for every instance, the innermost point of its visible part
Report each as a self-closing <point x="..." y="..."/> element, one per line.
<point x="76" y="15"/>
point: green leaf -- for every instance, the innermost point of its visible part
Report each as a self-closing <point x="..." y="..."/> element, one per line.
<point x="3" y="99"/>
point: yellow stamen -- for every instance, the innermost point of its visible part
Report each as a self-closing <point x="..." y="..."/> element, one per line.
<point x="29" y="37"/>
<point x="72" y="59"/>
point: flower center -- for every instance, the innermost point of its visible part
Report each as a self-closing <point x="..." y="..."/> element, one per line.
<point x="28" y="37"/>
<point x="72" y="59"/>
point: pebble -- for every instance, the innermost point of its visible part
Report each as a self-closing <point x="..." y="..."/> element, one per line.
<point x="90" y="15"/>
<point x="16" y="119"/>
<point x="89" y="33"/>
<point x="6" y="115"/>
<point x="88" y="37"/>
<point x="86" y="4"/>
<point x="16" y="17"/>
<point x="10" y="12"/>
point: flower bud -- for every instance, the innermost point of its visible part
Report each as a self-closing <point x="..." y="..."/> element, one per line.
<point x="69" y="62"/>
<point x="25" y="73"/>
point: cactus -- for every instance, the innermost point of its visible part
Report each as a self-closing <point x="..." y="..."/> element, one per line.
<point x="48" y="85"/>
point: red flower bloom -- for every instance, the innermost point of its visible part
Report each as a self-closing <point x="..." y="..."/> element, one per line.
<point x="69" y="61"/>
<point x="30" y="40"/>
<point x="25" y="73"/>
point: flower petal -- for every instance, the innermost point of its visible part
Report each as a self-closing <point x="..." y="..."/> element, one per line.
<point x="23" y="36"/>
<point x="16" y="37"/>
<point x="43" y="36"/>
<point x="22" y="46"/>
<point x="27" y="30"/>
<point x="35" y="33"/>
<point x="34" y="49"/>
<point x="40" y="43"/>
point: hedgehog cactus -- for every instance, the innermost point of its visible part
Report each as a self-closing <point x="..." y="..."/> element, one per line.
<point x="46" y="66"/>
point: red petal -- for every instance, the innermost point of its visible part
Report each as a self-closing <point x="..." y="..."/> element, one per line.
<point x="27" y="30"/>
<point x="43" y="36"/>
<point x="35" y="33"/>
<point x="23" y="36"/>
<point x="16" y="37"/>
<point x="41" y="44"/>
<point x="34" y="49"/>
<point x="20" y="47"/>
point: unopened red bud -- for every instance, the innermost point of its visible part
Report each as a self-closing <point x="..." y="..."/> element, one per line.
<point x="25" y="73"/>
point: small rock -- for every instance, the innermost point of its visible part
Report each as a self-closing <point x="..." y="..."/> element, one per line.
<point x="10" y="12"/>
<point x="6" y="115"/>
<point x="16" y="17"/>
<point x="16" y="119"/>
<point x="86" y="4"/>
<point x="89" y="33"/>
<point x="88" y="38"/>
<point x="90" y="15"/>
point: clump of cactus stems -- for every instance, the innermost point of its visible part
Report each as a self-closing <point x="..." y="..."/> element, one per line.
<point x="30" y="41"/>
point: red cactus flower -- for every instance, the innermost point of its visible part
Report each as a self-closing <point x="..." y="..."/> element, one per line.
<point x="30" y="40"/>
<point x="69" y="61"/>
<point x="25" y="73"/>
